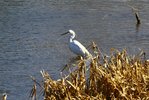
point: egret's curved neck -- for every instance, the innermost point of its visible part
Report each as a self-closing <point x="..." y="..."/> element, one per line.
<point x="72" y="37"/>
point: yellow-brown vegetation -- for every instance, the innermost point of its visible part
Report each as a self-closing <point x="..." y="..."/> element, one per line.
<point x="117" y="77"/>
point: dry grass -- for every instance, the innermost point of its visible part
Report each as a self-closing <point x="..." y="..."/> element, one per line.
<point x="117" y="77"/>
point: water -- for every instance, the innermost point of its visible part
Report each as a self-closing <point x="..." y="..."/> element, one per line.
<point x="30" y="32"/>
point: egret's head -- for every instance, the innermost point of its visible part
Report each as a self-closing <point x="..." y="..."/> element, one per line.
<point x="70" y="32"/>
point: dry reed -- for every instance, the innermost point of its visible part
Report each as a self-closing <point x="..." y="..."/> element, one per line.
<point x="117" y="77"/>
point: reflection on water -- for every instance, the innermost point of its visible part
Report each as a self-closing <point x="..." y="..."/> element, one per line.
<point x="30" y="32"/>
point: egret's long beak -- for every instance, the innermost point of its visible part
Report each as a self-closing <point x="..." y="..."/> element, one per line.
<point x="65" y="33"/>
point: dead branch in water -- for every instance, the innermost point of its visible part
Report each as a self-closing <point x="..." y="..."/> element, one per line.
<point x="136" y="12"/>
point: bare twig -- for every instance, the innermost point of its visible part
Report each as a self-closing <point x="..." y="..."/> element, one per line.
<point x="33" y="93"/>
<point x="136" y="12"/>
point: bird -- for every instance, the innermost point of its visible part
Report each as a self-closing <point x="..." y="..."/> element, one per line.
<point x="75" y="46"/>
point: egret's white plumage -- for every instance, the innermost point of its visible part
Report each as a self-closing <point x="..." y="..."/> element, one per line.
<point x="76" y="47"/>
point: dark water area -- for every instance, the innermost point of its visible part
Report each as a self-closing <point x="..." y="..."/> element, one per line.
<point x="30" y="35"/>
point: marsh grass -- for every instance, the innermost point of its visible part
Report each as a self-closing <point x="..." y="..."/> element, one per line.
<point x="119" y="76"/>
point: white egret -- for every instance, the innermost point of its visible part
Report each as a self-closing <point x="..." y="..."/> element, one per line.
<point x="76" y="47"/>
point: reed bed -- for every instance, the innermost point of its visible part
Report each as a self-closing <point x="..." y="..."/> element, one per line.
<point x="117" y="77"/>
